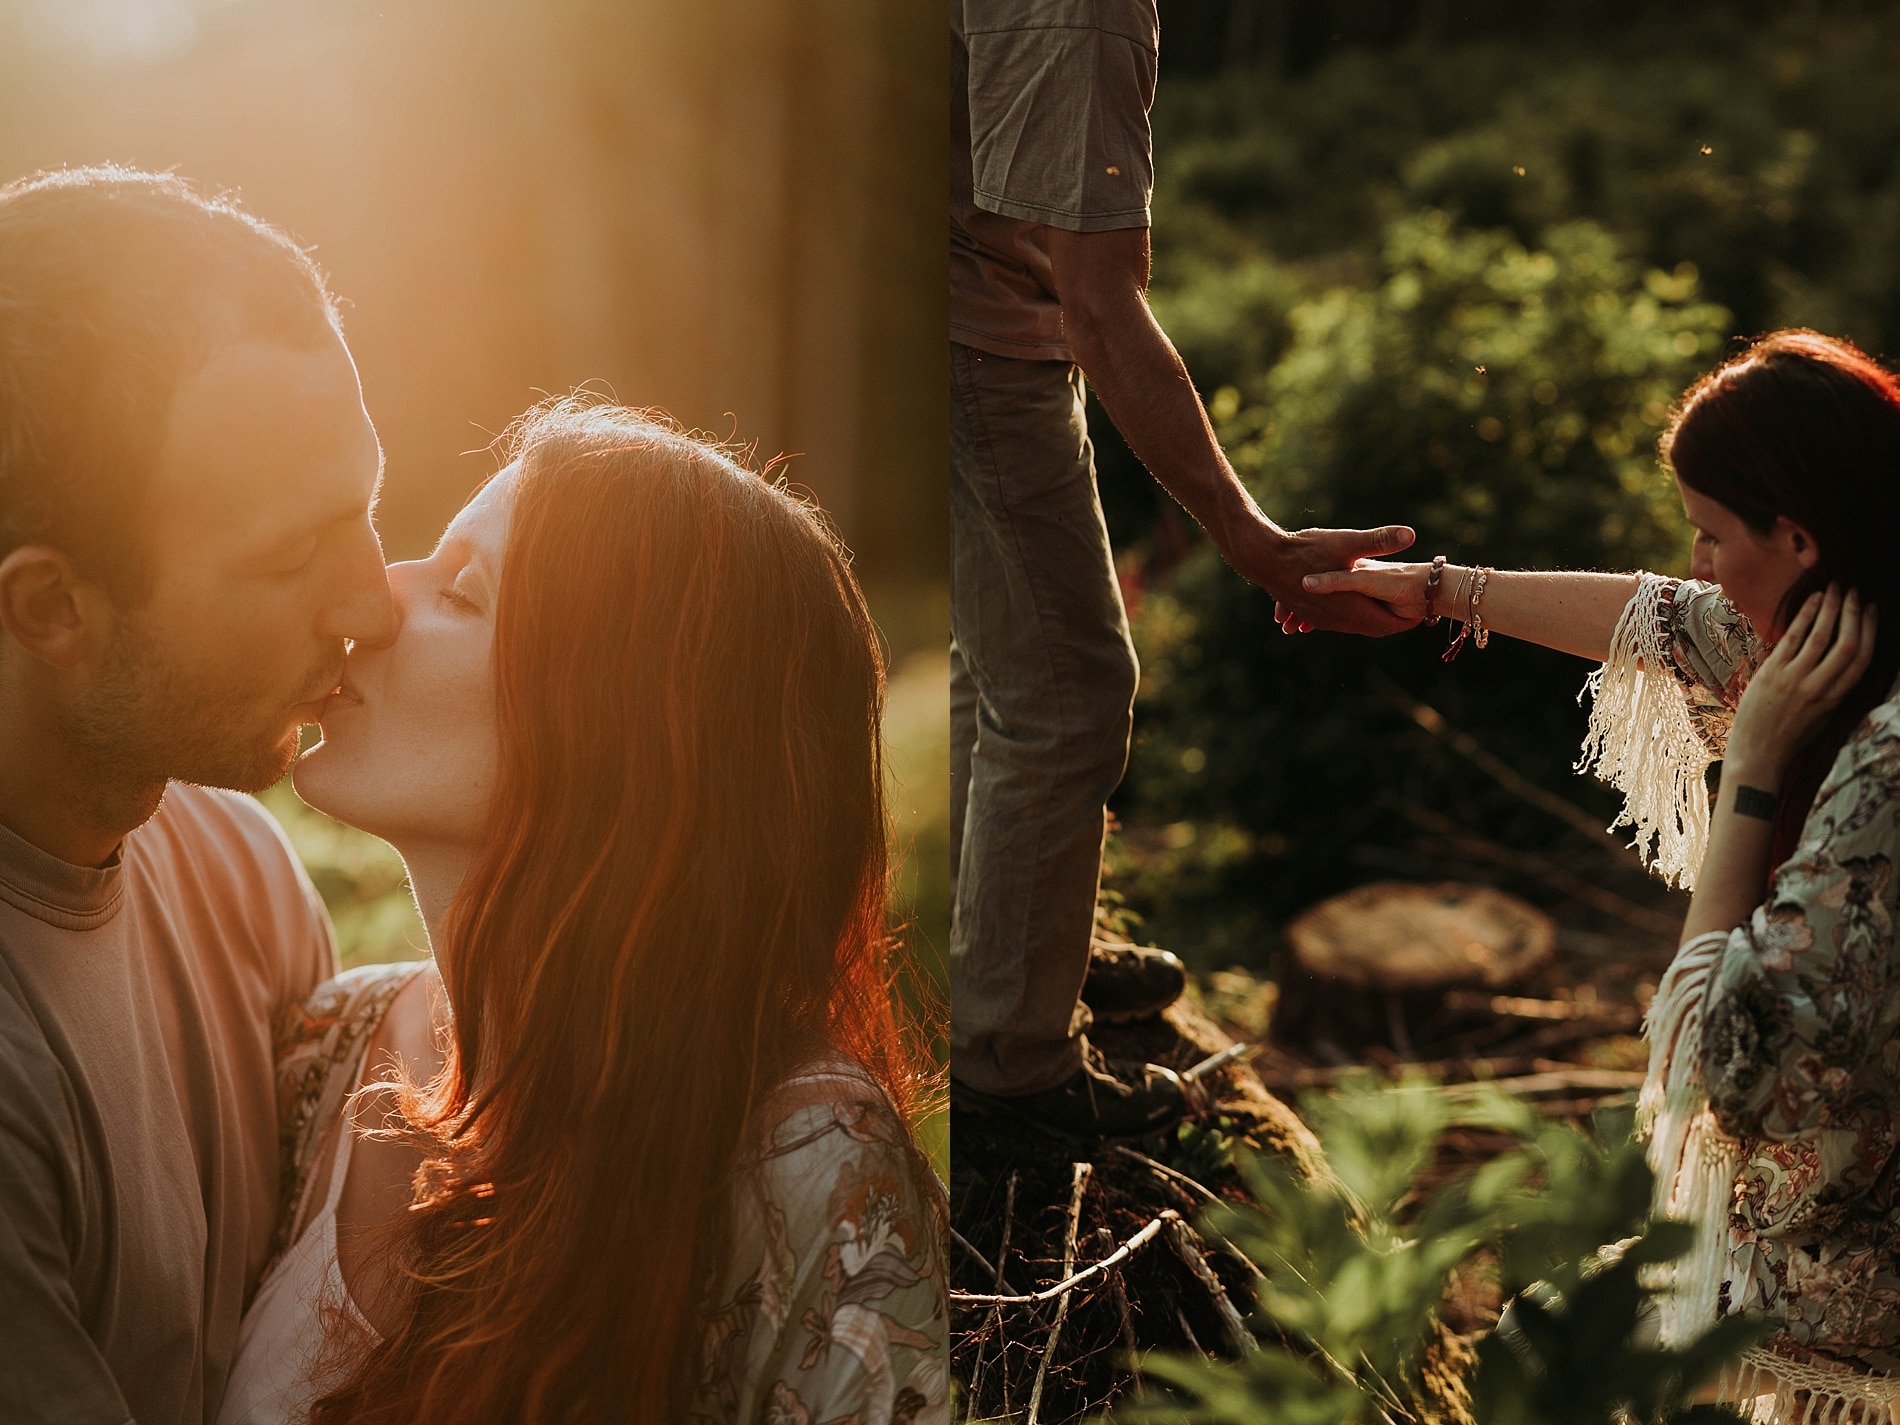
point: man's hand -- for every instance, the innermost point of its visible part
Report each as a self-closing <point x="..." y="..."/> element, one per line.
<point x="1277" y="560"/>
<point x="1101" y="279"/>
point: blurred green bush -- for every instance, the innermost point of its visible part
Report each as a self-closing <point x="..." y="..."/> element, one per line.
<point x="361" y="880"/>
<point x="1458" y="287"/>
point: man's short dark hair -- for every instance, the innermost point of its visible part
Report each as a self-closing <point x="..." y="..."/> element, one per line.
<point x="116" y="285"/>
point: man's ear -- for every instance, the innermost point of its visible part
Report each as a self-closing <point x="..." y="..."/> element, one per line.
<point x="1799" y="542"/>
<point x="49" y="609"/>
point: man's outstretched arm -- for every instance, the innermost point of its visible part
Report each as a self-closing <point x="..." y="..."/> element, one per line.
<point x="1102" y="281"/>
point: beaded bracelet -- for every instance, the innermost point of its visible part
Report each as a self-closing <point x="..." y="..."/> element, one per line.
<point x="1431" y="589"/>
<point x="1473" y="626"/>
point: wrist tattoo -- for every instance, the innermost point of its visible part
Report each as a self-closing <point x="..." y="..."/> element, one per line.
<point x="1753" y="801"/>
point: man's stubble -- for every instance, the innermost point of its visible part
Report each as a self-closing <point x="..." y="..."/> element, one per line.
<point x="142" y="724"/>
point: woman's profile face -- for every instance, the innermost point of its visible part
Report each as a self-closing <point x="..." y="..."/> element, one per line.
<point x="410" y="748"/>
<point x="1755" y="570"/>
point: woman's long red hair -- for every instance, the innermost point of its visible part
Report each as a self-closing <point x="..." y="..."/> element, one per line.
<point x="682" y="896"/>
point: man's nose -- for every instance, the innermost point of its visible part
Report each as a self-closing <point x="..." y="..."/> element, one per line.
<point x="366" y="611"/>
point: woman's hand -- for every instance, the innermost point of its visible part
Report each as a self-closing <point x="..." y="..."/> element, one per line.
<point x="1814" y="665"/>
<point x="1400" y="587"/>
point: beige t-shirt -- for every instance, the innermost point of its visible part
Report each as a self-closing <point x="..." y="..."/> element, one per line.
<point x="1049" y="108"/>
<point x="138" y="1121"/>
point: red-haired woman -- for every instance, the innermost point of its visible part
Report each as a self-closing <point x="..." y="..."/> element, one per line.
<point x="649" y="1158"/>
<point x="1774" y="1088"/>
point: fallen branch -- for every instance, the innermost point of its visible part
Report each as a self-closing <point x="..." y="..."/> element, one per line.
<point x="1121" y="1254"/>
<point x="1187" y="1246"/>
<point x="1105" y="1240"/>
<point x="1077" y="1187"/>
<point x="1185" y="1185"/>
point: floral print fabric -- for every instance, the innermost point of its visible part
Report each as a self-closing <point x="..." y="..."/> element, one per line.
<point x="1712" y="650"/>
<point x="1801" y="1031"/>
<point x="832" y="1307"/>
<point x="319" y="1046"/>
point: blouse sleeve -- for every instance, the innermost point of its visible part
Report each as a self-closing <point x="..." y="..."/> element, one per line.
<point x="841" y="1311"/>
<point x="1661" y="708"/>
<point x="1799" y="1030"/>
<point x="1712" y="651"/>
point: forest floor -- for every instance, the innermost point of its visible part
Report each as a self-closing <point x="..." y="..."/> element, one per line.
<point x="1031" y="1211"/>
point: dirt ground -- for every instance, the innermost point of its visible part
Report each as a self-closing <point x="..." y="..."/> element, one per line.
<point x="1568" y="1039"/>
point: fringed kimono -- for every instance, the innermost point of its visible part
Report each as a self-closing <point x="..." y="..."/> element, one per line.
<point x="1773" y="1099"/>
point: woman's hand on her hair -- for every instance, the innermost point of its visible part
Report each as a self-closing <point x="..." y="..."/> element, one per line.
<point x="1814" y="665"/>
<point x="1400" y="587"/>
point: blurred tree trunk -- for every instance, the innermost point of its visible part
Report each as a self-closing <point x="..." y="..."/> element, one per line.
<point x="732" y="209"/>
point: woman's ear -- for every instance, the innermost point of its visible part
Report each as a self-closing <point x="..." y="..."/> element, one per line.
<point x="1798" y="542"/>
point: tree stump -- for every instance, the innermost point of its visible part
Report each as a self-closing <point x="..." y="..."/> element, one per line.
<point x="1375" y="965"/>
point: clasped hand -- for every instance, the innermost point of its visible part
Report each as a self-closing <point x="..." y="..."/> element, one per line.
<point x="1283" y="564"/>
<point x="1399" y="589"/>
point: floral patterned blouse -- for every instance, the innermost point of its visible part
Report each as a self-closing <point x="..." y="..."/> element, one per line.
<point x="831" y="1307"/>
<point x="1801" y="1030"/>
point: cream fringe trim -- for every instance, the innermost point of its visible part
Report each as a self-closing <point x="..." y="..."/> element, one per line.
<point x="1772" y="1390"/>
<point x="1642" y="743"/>
<point x="1693" y="1159"/>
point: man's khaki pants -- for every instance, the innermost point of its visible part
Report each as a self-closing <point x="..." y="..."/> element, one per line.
<point x="1041" y="701"/>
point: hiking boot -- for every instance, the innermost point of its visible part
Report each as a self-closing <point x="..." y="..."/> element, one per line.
<point x="1102" y="1100"/>
<point x="1127" y="982"/>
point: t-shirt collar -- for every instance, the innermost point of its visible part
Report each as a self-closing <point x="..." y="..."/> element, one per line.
<point x="55" y="891"/>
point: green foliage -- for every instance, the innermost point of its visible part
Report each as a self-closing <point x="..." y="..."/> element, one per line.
<point x="1764" y="154"/>
<point x="1503" y="399"/>
<point x="1203" y="1148"/>
<point x="1355" y="1266"/>
<point x="1337" y="255"/>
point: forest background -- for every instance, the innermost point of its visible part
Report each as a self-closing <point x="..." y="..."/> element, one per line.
<point x="1449" y="264"/>
<point x="718" y="208"/>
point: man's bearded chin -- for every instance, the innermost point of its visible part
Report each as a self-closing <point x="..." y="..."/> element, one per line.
<point x="140" y="724"/>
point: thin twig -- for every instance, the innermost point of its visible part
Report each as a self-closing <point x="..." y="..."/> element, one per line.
<point x="1214" y="1062"/>
<point x="1469" y="748"/>
<point x="981" y="1260"/>
<point x="1077" y="1187"/>
<point x="1187" y="1246"/>
<point x="996" y="1312"/>
<point x="1188" y="1331"/>
<point x="1105" y="1241"/>
<point x="1183" y="1183"/>
<point x="1121" y="1254"/>
<point x="1173" y="1175"/>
